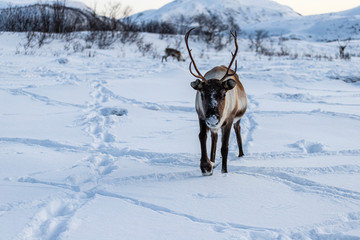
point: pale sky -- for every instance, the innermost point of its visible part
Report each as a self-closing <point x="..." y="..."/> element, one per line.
<point x="304" y="7"/>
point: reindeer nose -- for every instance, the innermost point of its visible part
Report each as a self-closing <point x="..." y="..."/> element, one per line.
<point x="212" y="121"/>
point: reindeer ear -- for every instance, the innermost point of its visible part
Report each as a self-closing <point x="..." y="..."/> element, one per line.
<point x="229" y="84"/>
<point x="197" y="84"/>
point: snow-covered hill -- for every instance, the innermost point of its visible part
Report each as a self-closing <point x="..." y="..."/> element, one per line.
<point x="48" y="16"/>
<point x="261" y="15"/>
<point x="21" y="3"/>
<point x="351" y="12"/>
<point x="243" y="11"/>
<point x="323" y="27"/>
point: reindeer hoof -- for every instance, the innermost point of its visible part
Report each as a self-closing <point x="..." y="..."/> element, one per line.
<point x="241" y="154"/>
<point x="206" y="169"/>
<point x="207" y="173"/>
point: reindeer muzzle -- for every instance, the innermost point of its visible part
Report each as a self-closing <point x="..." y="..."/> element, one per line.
<point x="212" y="121"/>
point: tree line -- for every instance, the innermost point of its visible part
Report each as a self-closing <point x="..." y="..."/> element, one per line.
<point x="59" y="18"/>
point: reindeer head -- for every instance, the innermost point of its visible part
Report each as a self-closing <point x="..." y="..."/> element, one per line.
<point x="212" y="95"/>
<point x="212" y="92"/>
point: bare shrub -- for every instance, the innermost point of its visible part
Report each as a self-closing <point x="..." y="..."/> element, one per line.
<point x="163" y="28"/>
<point x="115" y="24"/>
<point x="211" y="29"/>
<point x="284" y="51"/>
<point x="143" y="47"/>
<point x="146" y="49"/>
<point x="113" y="10"/>
<point x="91" y="54"/>
<point x="257" y="42"/>
<point x="30" y="40"/>
<point x="78" y="47"/>
<point x="128" y="36"/>
<point x="34" y="40"/>
<point x="294" y="56"/>
<point x="103" y="39"/>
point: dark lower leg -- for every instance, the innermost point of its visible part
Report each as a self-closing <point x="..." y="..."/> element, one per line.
<point x="225" y="147"/>
<point x="214" y="138"/>
<point x="205" y="165"/>
<point x="238" y="137"/>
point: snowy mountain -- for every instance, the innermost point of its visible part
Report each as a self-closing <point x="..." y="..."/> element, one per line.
<point x="243" y="11"/>
<point x="322" y="27"/>
<point x="351" y="12"/>
<point x="266" y="15"/>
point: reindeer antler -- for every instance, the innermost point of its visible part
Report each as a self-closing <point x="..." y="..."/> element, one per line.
<point x="347" y="42"/>
<point x="192" y="59"/>
<point x="232" y="60"/>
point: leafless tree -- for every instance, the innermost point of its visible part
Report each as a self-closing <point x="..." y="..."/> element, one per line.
<point x="113" y="10"/>
<point x="213" y="29"/>
<point x="59" y="16"/>
<point x="257" y="41"/>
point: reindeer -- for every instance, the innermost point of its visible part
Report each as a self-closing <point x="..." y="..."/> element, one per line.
<point x="173" y="53"/>
<point x="342" y="47"/>
<point x="220" y="103"/>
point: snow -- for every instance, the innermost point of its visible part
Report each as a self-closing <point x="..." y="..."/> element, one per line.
<point x="106" y="147"/>
<point x="277" y="19"/>
<point x="351" y="12"/>
<point x="322" y="27"/>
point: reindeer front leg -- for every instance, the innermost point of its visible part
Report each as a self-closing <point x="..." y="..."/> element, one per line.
<point x="225" y="146"/>
<point x="214" y="138"/>
<point x="205" y="165"/>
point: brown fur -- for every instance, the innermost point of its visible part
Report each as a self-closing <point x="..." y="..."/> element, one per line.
<point x="235" y="100"/>
<point x="220" y="103"/>
<point x="171" y="52"/>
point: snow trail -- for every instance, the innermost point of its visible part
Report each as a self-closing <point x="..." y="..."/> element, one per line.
<point x="114" y="143"/>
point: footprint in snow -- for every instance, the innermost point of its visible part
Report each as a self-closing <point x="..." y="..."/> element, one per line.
<point x="113" y="111"/>
<point x="62" y="60"/>
<point x="308" y="147"/>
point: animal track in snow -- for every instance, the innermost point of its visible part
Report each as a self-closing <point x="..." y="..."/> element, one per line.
<point x="302" y="184"/>
<point x="114" y="111"/>
<point x="53" y="219"/>
<point x="308" y="147"/>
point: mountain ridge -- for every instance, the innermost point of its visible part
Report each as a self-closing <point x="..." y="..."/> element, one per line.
<point x="250" y="16"/>
<point x="245" y="11"/>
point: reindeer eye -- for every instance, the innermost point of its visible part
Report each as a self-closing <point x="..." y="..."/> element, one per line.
<point x="221" y="95"/>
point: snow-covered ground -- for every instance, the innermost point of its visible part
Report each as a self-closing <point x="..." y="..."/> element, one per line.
<point x="106" y="146"/>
